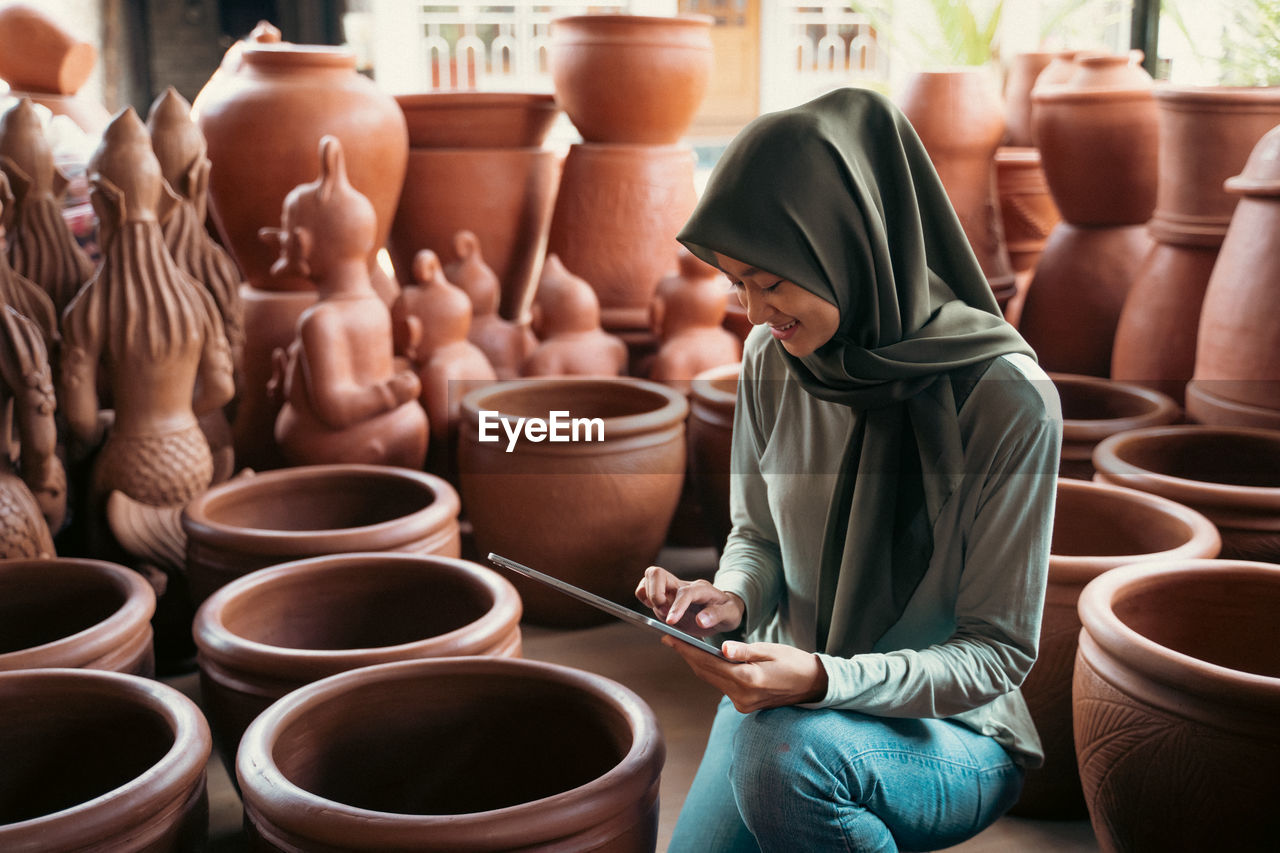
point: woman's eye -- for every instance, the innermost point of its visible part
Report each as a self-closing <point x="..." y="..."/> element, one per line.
<point x="771" y="288"/>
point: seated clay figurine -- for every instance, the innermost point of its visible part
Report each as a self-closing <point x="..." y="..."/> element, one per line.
<point x="504" y="343"/>
<point x="345" y="400"/>
<point x="687" y="316"/>
<point x="566" y="316"/>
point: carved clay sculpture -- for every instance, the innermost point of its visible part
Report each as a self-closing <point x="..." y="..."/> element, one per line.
<point x="505" y="343"/>
<point x="19" y="292"/>
<point x="41" y="246"/>
<point x="567" y="320"/>
<point x="345" y="400"/>
<point x="688" y="315"/>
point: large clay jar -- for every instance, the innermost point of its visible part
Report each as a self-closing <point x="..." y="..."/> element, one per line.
<point x="631" y="78"/>
<point x="1238" y="343"/>
<point x="1206" y="135"/>
<point x="472" y="754"/>
<point x="248" y="523"/>
<point x="1094" y="408"/>
<point x="279" y="628"/>
<point x="100" y="761"/>
<point x="75" y="613"/>
<point x="1177" y="693"/>
<point x="1231" y="474"/>
<point x="712" y="398"/>
<point x="1027" y="211"/>
<point x="1024" y="70"/>
<point x="591" y="506"/>
<point x="1096" y="527"/>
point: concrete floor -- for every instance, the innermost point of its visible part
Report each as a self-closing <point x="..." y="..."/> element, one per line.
<point x="684" y="706"/>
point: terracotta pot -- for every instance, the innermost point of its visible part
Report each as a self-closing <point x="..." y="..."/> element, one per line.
<point x="1096" y="527"/>
<point x="1024" y="70"/>
<point x="1176" y="702"/>
<point x="264" y="123"/>
<point x="617" y="494"/>
<point x="465" y="754"/>
<point x="1094" y="408"/>
<point x="251" y="522"/>
<point x="1027" y="211"/>
<point x="631" y="78"/>
<point x="711" y="406"/>
<point x="470" y="119"/>
<point x="1231" y="474"/>
<point x="623" y="257"/>
<point x="138" y="749"/>
<point x="75" y="613"/>
<point x="40" y="55"/>
<point x="279" y="628"/>
<point x="1238" y="344"/>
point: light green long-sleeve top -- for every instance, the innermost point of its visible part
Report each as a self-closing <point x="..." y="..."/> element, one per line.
<point x="969" y="633"/>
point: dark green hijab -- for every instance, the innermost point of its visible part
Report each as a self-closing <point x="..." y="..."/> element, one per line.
<point x="839" y="197"/>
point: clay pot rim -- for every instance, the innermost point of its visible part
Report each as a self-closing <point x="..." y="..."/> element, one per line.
<point x="1204" y="405"/>
<point x="297" y="810"/>
<point x="222" y="647"/>
<point x="496" y="152"/>
<point x="690" y="21"/>
<point x="1220" y="684"/>
<point x="99" y="639"/>
<point x="1018" y="155"/>
<point x="286" y="54"/>
<point x="1228" y="98"/>
<point x="151" y="791"/>
<point x="673" y="410"/>
<point x="501" y="119"/>
<point x="1163" y="409"/>
<point x="1205" y="539"/>
<point x="407" y="528"/>
<point x="1063" y="94"/>
<point x="703" y="388"/>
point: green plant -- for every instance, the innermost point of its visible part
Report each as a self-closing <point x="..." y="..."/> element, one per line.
<point x="958" y="32"/>
<point x="1250" y="33"/>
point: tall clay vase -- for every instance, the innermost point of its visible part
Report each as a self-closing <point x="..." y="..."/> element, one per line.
<point x="1236" y="381"/>
<point x="75" y="613"/>
<point x="1231" y="474"/>
<point x="592" y="508"/>
<point x="1206" y="135"/>
<point x="100" y="761"/>
<point x="279" y="628"/>
<point x="712" y="399"/>
<point x="248" y="523"/>
<point x="479" y="754"/>
<point x="1177" y="693"/>
<point x="1096" y="527"/>
<point x="1094" y="408"/>
<point x="959" y="116"/>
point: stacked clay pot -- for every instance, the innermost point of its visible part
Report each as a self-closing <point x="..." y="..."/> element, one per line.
<point x="463" y="754"/>
<point x="75" y="613"/>
<point x="1237" y="367"/>
<point x="592" y="511"/>
<point x="1096" y="527"/>
<point x="100" y="761"/>
<point x="1097" y="134"/>
<point x="249" y="523"/>
<point x="1094" y="408"/>
<point x="1231" y="474"/>
<point x="712" y="398"/>
<point x="1206" y="135"/>
<point x="1177" y="693"/>
<point x="41" y="60"/>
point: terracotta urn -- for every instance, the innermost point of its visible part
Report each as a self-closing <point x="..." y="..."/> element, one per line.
<point x="1027" y="211"/>
<point x="474" y="119"/>
<point x="1096" y="527"/>
<point x="631" y="78"/>
<point x="75" y="613"/>
<point x="1238" y="342"/>
<point x="1177" y="692"/>
<point x="276" y="629"/>
<point x="100" y="761"/>
<point x="1094" y="408"/>
<point x="250" y="522"/>
<point x="476" y="753"/>
<point x="608" y="460"/>
<point x="1023" y="72"/>
<point x="39" y="54"/>
<point x="1206" y="135"/>
<point x="1231" y="474"/>
<point x="712" y="397"/>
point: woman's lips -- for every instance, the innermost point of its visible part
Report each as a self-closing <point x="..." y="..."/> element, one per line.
<point x="784" y="331"/>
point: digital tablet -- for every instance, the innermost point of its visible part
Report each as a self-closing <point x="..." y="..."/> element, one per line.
<point x="624" y="613"/>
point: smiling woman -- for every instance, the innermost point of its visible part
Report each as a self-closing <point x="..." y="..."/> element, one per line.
<point x="799" y="319"/>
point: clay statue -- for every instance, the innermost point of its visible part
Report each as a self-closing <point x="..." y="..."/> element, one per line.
<point x="505" y="343"/>
<point x="41" y="246"/>
<point x="566" y="316"/>
<point x="19" y="292"/>
<point x="344" y="399"/>
<point x="687" y="313"/>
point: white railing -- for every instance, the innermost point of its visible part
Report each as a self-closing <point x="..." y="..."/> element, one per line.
<point x="807" y="48"/>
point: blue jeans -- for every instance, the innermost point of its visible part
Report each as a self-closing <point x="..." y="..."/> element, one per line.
<point x="823" y="780"/>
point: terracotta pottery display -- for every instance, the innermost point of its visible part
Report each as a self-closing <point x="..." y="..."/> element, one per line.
<point x="1027" y="211"/>
<point x="1177" y="692"/>
<point x="1238" y="343"/>
<point x="444" y="755"/>
<point x="1206" y="134"/>
<point x="592" y="508"/>
<point x="1024" y="70"/>
<point x="1096" y="527"/>
<point x="712" y="399"/>
<point x="21" y="293"/>
<point x="251" y="522"/>
<point x="75" y="613"/>
<point x="279" y="628"/>
<point x="566" y="320"/>
<point x="100" y="761"/>
<point x="1094" y="408"/>
<point x="472" y="119"/>
<point x="687" y="314"/>
<point x="38" y="54"/>
<point x="506" y="343"/>
<point x="631" y="78"/>
<point x="1231" y="474"/>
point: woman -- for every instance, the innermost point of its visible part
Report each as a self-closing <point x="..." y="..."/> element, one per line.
<point x="894" y="461"/>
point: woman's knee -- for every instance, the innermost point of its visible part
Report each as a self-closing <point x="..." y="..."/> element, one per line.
<point x="773" y="758"/>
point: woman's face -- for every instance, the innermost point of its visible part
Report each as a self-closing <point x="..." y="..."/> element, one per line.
<point x="801" y="321"/>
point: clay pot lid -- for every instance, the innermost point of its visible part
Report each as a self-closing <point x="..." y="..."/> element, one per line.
<point x="473" y="119"/>
<point x="283" y="55"/>
<point x="1261" y="173"/>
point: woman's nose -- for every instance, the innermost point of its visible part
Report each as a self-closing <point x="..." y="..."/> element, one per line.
<point x="758" y="311"/>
